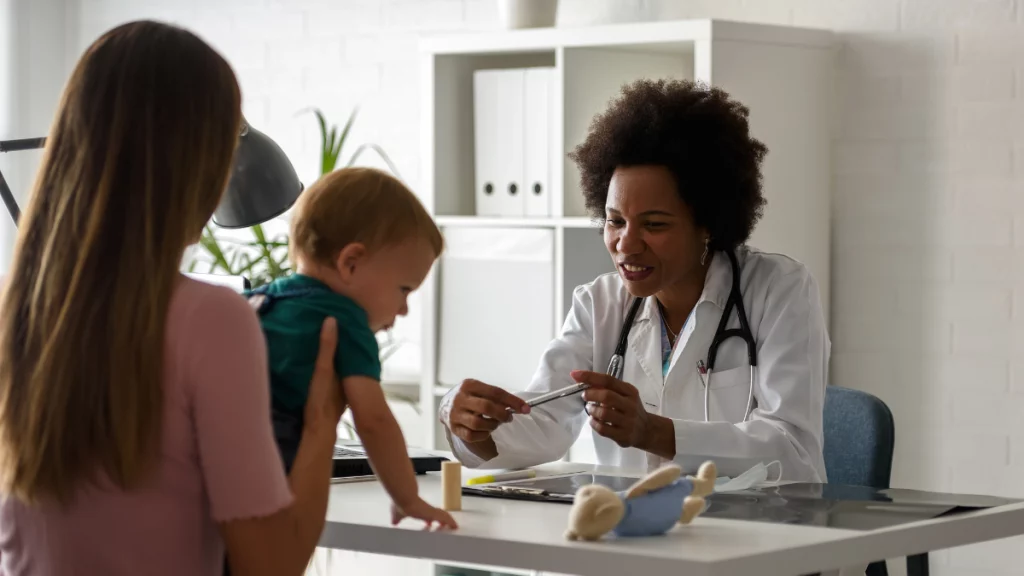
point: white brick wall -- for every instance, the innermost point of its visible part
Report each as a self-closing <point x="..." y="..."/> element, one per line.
<point x="929" y="155"/>
<point x="33" y="51"/>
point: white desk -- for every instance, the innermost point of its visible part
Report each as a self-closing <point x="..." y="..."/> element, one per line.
<point x="529" y="535"/>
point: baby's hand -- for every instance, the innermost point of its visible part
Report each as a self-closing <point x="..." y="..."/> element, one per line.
<point x="420" y="510"/>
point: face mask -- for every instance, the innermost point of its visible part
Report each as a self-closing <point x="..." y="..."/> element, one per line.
<point x="756" y="476"/>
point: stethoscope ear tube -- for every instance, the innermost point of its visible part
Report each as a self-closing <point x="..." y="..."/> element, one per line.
<point x="620" y="346"/>
<point x="722" y="334"/>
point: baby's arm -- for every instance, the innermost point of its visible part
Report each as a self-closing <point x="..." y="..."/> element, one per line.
<point x="385" y="447"/>
<point x="382" y="438"/>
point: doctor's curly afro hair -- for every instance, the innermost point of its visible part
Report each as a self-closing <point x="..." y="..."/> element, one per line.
<point x="699" y="134"/>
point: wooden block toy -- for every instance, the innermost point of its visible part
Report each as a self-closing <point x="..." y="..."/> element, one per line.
<point x="451" y="486"/>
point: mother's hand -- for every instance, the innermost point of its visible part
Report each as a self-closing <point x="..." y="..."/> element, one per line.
<point x="617" y="413"/>
<point x="326" y="400"/>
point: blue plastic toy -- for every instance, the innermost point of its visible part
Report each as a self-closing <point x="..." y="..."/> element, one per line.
<point x="650" y="507"/>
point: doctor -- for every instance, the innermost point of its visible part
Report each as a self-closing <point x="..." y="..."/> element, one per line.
<point x="674" y="175"/>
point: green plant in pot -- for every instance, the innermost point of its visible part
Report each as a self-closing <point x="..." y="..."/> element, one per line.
<point x="263" y="258"/>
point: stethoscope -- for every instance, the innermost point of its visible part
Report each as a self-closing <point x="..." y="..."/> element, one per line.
<point x="704" y="370"/>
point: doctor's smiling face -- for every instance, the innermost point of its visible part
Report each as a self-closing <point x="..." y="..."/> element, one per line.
<point x="650" y="231"/>
<point x="669" y="165"/>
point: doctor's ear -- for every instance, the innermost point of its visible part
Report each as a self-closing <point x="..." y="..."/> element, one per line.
<point x="349" y="258"/>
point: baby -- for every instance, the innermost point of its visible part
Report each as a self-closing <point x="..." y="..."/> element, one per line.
<point x="360" y="243"/>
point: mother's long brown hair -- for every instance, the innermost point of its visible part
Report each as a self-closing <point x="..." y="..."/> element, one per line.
<point x="135" y="164"/>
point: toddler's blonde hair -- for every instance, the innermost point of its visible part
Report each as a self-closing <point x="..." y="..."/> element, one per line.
<point x="362" y="205"/>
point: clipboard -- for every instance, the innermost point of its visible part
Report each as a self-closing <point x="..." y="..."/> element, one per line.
<point x="558" y="489"/>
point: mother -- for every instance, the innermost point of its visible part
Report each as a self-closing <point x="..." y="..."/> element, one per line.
<point x="674" y="175"/>
<point x="135" y="434"/>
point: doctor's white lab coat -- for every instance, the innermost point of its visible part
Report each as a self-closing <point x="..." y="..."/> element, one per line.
<point x="784" y="309"/>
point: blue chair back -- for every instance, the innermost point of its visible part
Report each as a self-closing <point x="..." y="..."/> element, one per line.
<point x="859" y="438"/>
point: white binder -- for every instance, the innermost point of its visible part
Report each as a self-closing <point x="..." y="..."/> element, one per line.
<point x="496" y="312"/>
<point x="538" y="132"/>
<point x="498" y="133"/>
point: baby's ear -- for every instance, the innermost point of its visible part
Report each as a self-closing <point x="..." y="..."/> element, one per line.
<point x="349" y="258"/>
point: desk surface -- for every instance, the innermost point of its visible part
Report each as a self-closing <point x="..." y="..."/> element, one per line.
<point x="530" y="535"/>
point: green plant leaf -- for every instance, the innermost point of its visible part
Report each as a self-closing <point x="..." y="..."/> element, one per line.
<point x="331" y="150"/>
<point x="324" y="156"/>
<point x="380" y="152"/>
<point x="344" y="133"/>
<point x="257" y="231"/>
<point x="208" y="241"/>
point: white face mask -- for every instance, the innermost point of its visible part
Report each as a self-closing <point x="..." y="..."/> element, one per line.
<point x="756" y="476"/>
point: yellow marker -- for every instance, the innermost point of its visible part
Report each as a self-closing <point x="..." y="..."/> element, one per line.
<point x="520" y="475"/>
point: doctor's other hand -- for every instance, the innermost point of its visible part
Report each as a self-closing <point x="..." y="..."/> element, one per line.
<point x="478" y="409"/>
<point x="617" y="413"/>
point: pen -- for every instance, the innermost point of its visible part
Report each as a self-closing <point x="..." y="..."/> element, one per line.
<point x="702" y="371"/>
<point x="519" y="475"/>
<point x="555" y="395"/>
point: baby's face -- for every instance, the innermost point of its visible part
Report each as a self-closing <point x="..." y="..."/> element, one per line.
<point x="382" y="284"/>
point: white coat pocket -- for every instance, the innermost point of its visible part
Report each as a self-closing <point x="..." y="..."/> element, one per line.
<point x="728" y="393"/>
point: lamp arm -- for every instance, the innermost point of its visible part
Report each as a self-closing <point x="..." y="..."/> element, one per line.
<point x="5" y="191"/>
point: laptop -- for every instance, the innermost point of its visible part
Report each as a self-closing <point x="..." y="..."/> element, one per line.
<point x="350" y="461"/>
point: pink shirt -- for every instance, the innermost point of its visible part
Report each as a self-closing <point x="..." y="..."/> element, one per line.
<point x="218" y="461"/>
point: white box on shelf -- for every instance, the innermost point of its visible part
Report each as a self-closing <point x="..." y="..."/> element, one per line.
<point x="498" y="132"/>
<point x="496" y="313"/>
<point x="513" y="131"/>
<point x="538" y="133"/>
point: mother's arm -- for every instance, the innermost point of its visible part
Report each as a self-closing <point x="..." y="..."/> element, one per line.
<point x="270" y="523"/>
<point x="549" y="430"/>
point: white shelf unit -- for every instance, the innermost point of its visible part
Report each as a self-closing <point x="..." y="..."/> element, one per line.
<point x="783" y="74"/>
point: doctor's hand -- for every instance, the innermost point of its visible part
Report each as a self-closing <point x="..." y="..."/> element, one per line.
<point x="478" y="409"/>
<point x="617" y="413"/>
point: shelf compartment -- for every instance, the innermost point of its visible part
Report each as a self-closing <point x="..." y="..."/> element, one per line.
<point x="450" y="114"/>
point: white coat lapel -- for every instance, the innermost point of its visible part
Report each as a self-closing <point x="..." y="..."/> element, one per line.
<point x="645" y="343"/>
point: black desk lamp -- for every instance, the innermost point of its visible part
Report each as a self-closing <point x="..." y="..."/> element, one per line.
<point x="263" y="182"/>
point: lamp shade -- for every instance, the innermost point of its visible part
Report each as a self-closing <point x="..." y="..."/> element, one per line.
<point x="263" y="183"/>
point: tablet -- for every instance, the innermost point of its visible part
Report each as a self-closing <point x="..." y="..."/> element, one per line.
<point x="549" y="488"/>
<point x="808" y="504"/>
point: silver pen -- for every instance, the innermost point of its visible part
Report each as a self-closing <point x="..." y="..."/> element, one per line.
<point x="614" y="370"/>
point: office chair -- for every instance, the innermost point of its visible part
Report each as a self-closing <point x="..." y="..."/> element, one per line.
<point x="860" y="435"/>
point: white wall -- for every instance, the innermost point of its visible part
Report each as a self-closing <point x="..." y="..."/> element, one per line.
<point x="33" y="66"/>
<point x="928" y="296"/>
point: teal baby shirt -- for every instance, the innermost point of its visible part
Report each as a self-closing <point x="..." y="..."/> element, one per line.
<point x="292" y="317"/>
